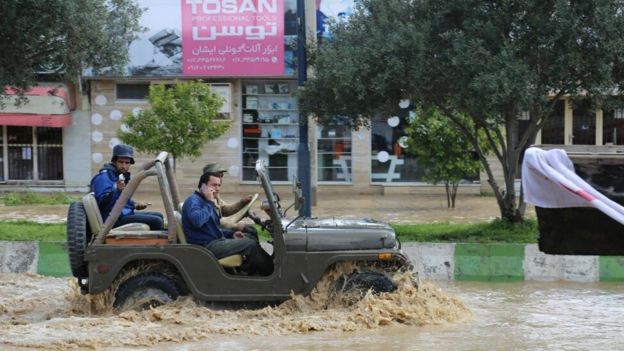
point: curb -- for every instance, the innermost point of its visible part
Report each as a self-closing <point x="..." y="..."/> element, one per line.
<point x="509" y="263"/>
<point x="434" y="261"/>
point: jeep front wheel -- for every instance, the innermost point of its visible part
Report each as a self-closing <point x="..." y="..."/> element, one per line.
<point x="145" y="290"/>
<point x="361" y="282"/>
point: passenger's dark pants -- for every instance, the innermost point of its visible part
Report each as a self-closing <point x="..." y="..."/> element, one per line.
<point x="153" y="219"/>
<point x="257" y="261"/>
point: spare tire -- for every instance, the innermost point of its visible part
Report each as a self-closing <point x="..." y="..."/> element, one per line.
<point x="78" y="236"/>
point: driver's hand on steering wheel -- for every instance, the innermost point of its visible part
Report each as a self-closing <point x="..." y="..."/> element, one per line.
<point x="238" y="235"/>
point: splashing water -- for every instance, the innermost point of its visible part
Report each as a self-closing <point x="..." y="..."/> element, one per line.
<point x="40" y="312"/>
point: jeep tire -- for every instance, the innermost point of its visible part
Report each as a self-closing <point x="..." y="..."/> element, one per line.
<point x="145" y="290"/>
<point x="77" y="239"/>
<point x="361" y="282"/>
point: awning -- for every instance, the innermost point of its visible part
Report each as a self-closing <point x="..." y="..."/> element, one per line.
<point x="48" y="105"/>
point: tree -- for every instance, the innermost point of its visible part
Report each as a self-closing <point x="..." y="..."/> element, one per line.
<point x="63" y="37"/>
<point x="490" y="60"/>
<point x="442" y="149"/>
<point x="181" y="120"/>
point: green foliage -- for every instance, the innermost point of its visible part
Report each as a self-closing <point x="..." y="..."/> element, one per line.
<point x="181" y="120"/>
<point x="488" y="60"/>
<point x="26" y="230"/>
<point x="440" y="147"/>
<point x="32" y="198"/>
<point x="64" y="37"/>
<point x="497" y="231"/>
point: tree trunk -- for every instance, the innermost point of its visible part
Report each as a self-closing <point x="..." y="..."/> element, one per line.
<point x="448" y="194"/>
<point x="454" y="194"/>
<point x="508" y="154"/>
<point x="510" y="206"/>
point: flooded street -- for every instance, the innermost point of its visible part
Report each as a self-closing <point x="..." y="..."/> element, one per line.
<point x="46" y="313"/>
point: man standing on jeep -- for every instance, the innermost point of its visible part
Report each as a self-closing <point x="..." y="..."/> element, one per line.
<point x="202" y="226"/>
<point x="110" y="181"/>
<point x="225" y="210"/>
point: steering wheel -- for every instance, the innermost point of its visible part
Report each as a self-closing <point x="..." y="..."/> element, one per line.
<point x="243" y="212"/>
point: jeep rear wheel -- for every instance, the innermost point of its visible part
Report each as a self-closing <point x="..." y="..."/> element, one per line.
<point x="145" y="290"/>
<point x="77" y="239"/>
<point x="362" y="282"/>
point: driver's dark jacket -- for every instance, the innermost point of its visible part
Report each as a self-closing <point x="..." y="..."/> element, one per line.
<point x="200" y="221"/>
<point x="104" y="187"/>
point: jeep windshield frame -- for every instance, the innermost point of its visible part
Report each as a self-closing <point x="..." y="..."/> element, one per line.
<point x="274" y="205"/>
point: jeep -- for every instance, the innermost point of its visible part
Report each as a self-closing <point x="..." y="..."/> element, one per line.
<point x="142" y="268"/>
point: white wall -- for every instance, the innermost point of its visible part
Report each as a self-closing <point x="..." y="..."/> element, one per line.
<point x="77" y="152"/>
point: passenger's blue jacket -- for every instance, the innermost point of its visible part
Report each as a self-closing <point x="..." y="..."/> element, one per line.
<point x="200" y="220"/>
<point x="104" y="186"/>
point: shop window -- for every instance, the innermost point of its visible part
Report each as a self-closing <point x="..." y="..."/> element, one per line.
<point x="389" y="162"/>
<point x="583" y="124"/>
<point x="33" y="153"/>
<point x="270" y="128"/>
<point x="2" y="179"/>
<point x="138" y="91"/>
<point x="20" y="146"/>
<point x="50" y="153"/>
<point x="553" y="129"/>
<point x="334" y="152"/>
<point x="613" y="127"/>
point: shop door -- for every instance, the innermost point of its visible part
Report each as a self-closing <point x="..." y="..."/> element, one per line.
<point x="583" y="124"/>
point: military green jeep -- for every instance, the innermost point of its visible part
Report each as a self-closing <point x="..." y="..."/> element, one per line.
<point x="142" y="268"/>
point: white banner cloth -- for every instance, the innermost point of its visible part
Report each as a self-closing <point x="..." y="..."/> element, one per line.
<point x="549" y="181"/>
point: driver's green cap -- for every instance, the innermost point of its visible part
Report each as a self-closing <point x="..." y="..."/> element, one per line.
<point x="213" y="168"/>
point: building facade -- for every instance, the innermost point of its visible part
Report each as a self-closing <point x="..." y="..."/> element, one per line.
<point x="246" y="51"/>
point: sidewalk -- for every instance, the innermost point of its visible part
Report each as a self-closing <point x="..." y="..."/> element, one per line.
<point x="387" y="208"/>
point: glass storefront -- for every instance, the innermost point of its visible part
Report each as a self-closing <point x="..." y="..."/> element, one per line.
<point x="20" y="147"/>
<point x="583" y="124"/>
<point x="334" y="152"/>
<point x="270" y="123"/>
<point x="389" y="163"/>
<point x="553" y="129"/>
<point x="49" y="153"/>
<point x="613" y="127"/>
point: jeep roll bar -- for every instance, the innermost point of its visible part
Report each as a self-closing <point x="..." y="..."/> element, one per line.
<point x="168" y="189"/>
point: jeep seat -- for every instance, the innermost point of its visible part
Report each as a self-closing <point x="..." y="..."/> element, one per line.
<point x="227" y="262"/>
<point x="131" y="233"/>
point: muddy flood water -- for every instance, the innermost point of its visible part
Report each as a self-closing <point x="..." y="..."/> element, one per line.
<point x="39" y="312"/>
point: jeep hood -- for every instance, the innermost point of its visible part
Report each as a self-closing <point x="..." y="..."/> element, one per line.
<point x="329" y="234"/>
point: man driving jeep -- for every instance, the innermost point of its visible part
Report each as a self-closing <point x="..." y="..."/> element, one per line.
<point x="202" y="226"/>
<point x="110" y="181"/>
<point x="226" y="210"/>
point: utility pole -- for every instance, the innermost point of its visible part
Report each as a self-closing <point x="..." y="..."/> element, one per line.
<point x="303" y="151"/>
